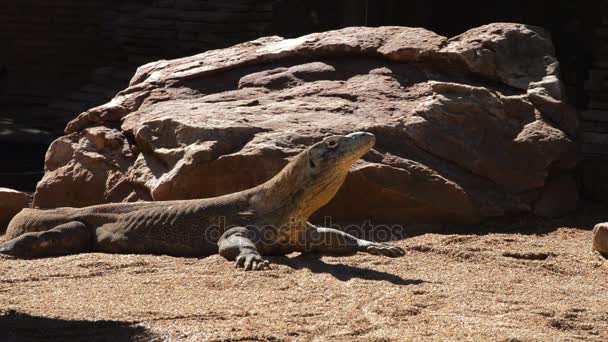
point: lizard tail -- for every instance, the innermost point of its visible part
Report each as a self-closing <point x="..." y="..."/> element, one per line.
<point x="35" y="220"/>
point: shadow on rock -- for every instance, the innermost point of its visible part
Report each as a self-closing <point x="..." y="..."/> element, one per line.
<point x="342" y="272"/>
<point x="585" y="218"/>
<point x="17" y="326"/>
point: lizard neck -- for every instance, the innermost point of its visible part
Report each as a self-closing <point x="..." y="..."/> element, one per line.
<point x="294" y="194"/>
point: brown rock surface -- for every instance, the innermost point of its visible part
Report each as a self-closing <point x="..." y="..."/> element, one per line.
<point x="11" y="202"/>
<point x="600" y="238"/>
<point x="467" y="128"/>
<point x="558" y="197"/>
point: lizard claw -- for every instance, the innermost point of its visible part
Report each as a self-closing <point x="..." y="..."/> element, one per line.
<point x="384" y="249"/>
<point x="264" y="265"/>
<point x="252" y="262"/>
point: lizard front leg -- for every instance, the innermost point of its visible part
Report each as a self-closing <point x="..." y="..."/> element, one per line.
<point x="236" y="244"/>
<point x="329" y="240"/>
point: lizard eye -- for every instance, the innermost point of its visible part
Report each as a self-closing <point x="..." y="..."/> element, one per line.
<point x="332" y="143"/>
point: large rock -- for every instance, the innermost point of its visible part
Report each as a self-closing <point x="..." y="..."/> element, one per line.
<point x="467" y="128"/>
<point x="11" y="202"/>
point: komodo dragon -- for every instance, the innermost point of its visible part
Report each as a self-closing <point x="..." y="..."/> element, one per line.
<point x="270" y="219"/>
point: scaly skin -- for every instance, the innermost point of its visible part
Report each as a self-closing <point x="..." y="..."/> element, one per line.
<point x="270" y="219"/>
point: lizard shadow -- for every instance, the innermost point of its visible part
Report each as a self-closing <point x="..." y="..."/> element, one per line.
<point x="341" y="272"/>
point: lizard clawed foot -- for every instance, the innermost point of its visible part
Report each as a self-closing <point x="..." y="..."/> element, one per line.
<point x="384" y="249"/>
<point x="252" y="262"/>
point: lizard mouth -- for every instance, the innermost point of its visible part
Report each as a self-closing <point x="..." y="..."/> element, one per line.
<point x="339" y="152"/>
<point x="361" y="143"/>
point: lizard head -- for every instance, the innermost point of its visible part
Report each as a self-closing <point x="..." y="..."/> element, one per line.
<point x="313" y="177"/>
<point x="326" y="165"/>
<point x="335" y="154"/>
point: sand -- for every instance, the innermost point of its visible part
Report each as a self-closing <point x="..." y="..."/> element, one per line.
<point x="518" y="281"/>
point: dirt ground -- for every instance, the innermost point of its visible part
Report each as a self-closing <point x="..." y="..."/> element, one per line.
<point x="519" y="281"/>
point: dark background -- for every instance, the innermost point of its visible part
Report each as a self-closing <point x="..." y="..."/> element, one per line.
<point x="61" y="57"/>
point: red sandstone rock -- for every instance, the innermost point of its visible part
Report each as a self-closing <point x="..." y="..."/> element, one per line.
<point x="467" y="128"/>
<point x="11" y="202"/>
<point x="600" y="238"/>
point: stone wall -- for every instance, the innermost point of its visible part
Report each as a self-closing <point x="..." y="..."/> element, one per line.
<point x="594" y="120"/>
<point x="49" y="48"/>
<point x="65" y="56"/>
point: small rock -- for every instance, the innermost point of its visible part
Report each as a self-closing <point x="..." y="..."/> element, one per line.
<point x="600" y="238"/>
<point x="11" y="202"/>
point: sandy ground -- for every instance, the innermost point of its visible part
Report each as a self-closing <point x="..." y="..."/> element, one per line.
<point x="521" y="281"/>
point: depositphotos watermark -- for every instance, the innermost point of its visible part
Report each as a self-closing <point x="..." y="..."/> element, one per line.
<point x="306" y="234"/>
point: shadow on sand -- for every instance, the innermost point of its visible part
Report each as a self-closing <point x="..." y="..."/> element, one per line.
<point x="341" y="272"/>
<point x="17" y="326"/>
